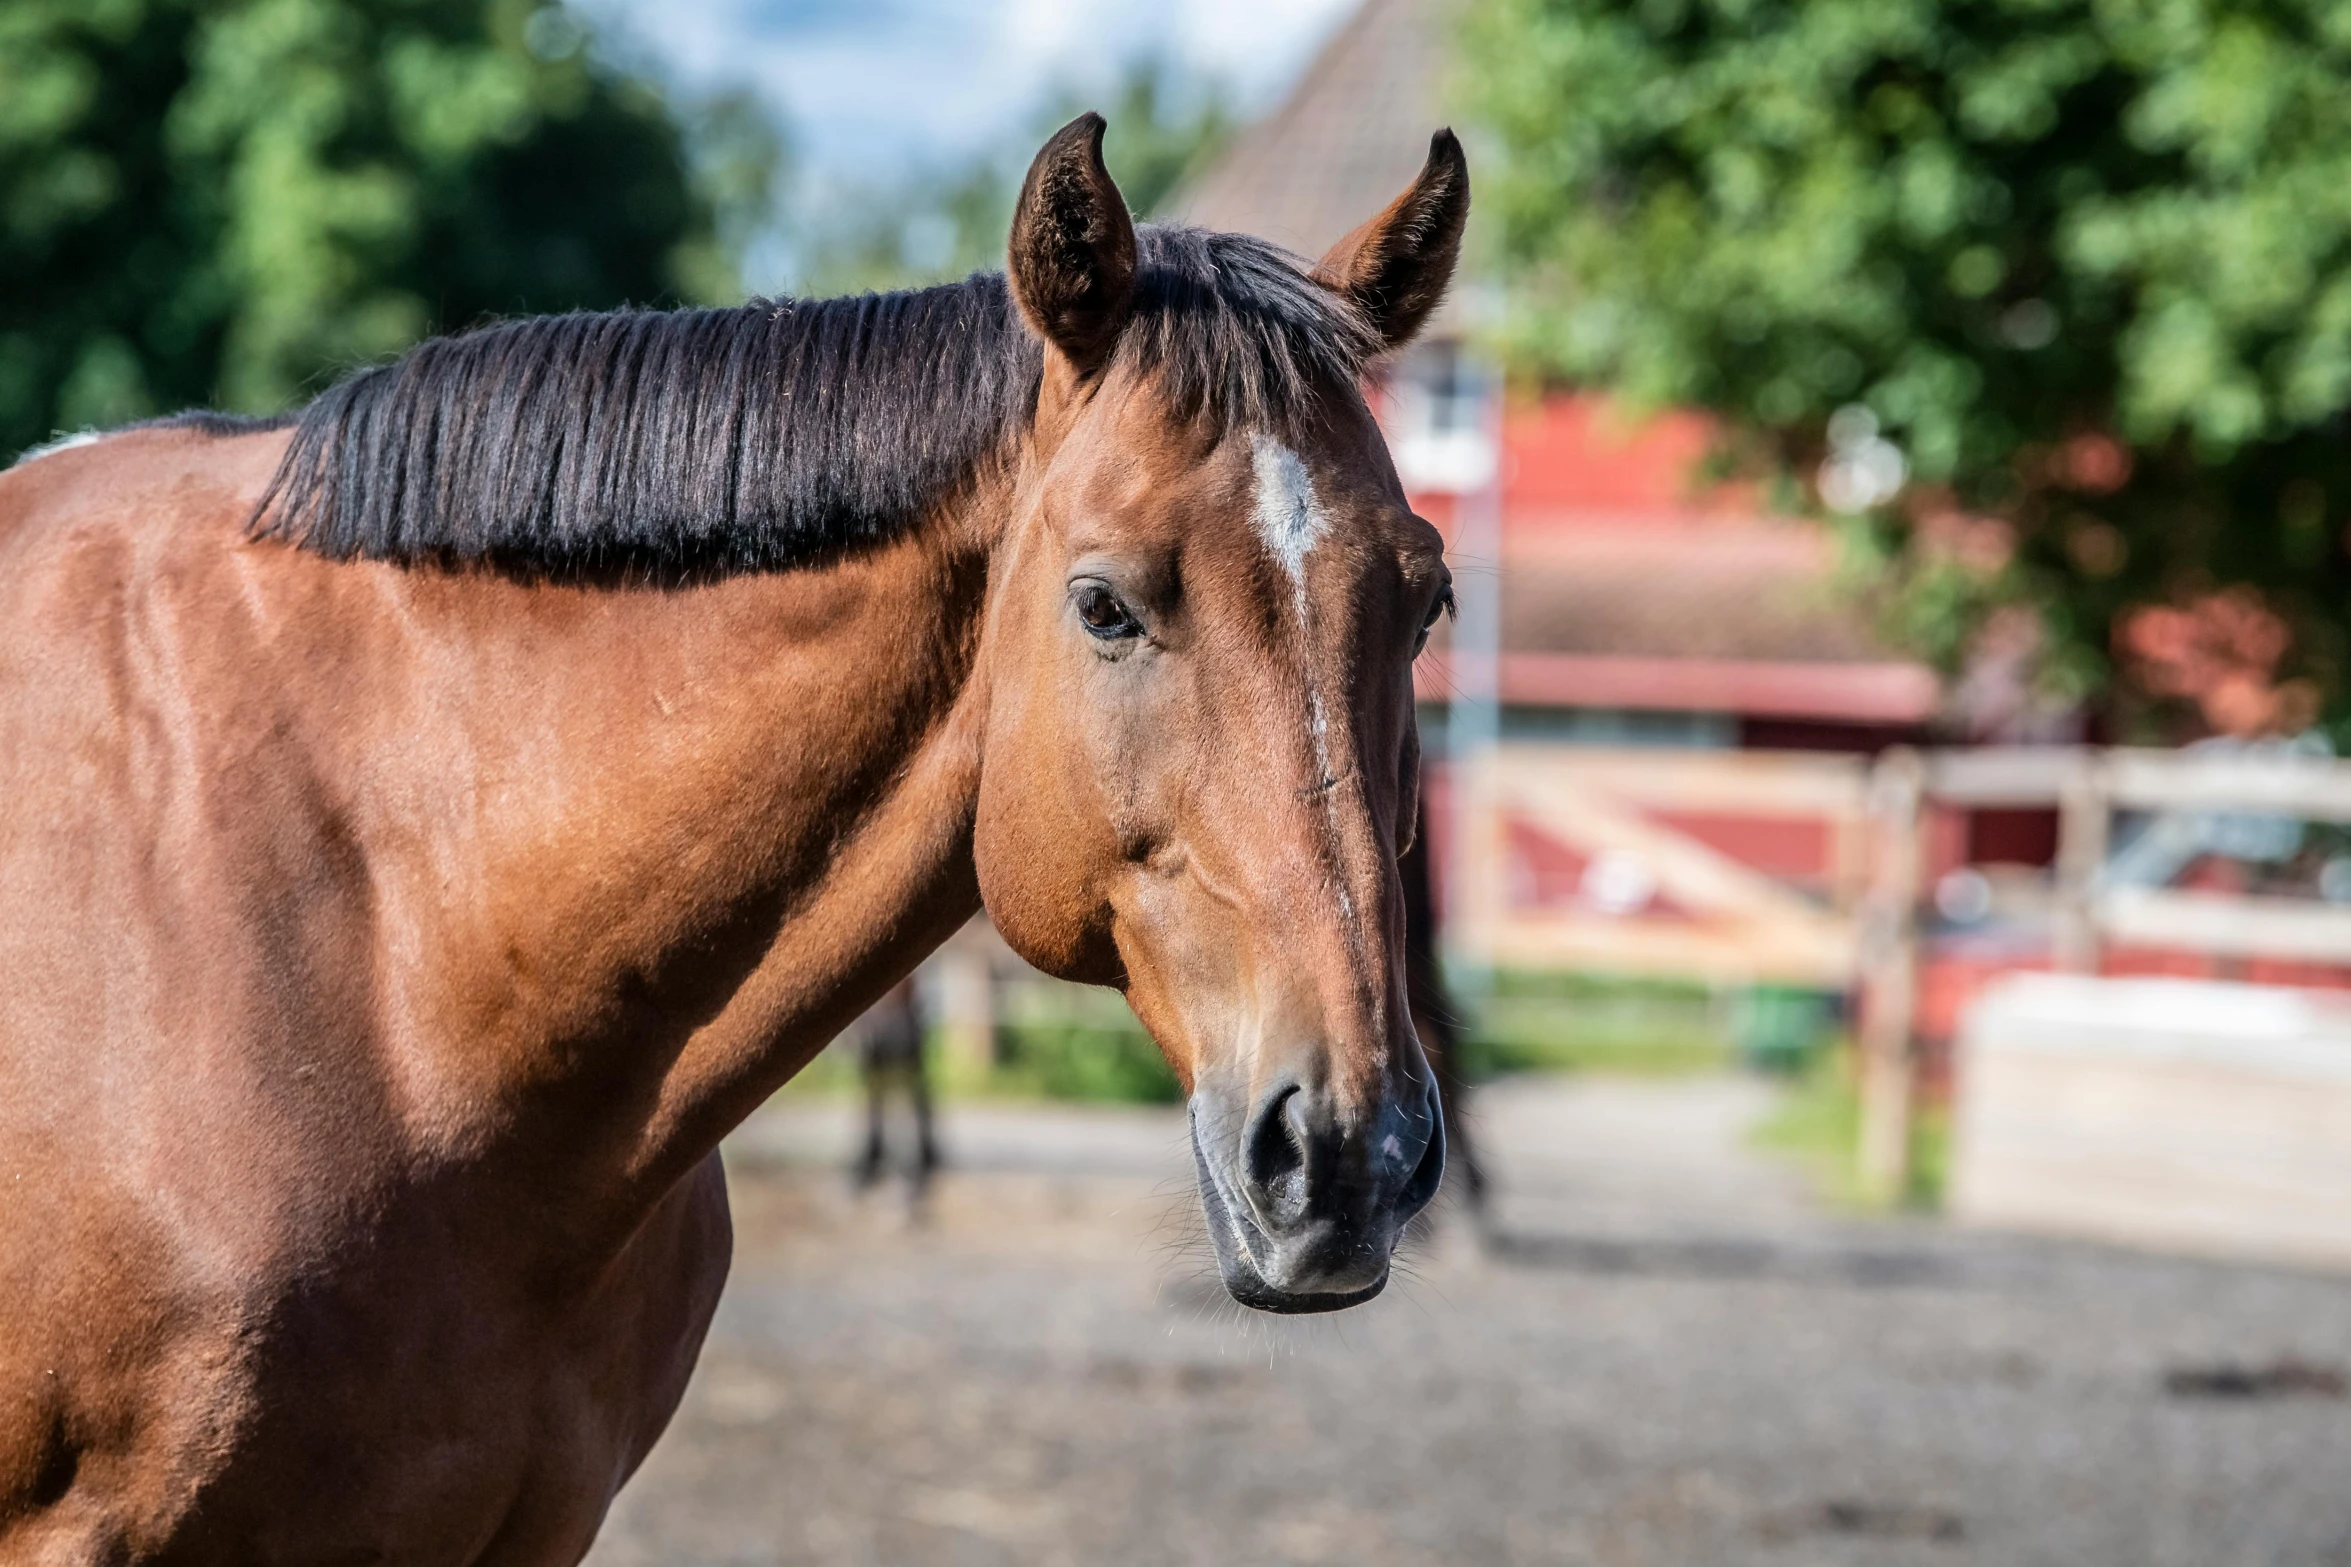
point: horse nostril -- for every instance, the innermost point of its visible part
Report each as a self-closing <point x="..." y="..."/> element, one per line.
<point x="1273" y="1159"/>
<point x="1429" y="1173"/>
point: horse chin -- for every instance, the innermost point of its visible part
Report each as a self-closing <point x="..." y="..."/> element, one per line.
<point x="1257" y="1296"/>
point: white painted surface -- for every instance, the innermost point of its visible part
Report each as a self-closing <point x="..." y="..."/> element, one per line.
<point x="2178" y="1114"/>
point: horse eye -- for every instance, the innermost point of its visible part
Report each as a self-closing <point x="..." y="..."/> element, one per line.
<point x="1443" y="605"/>
<point x="1104" y="615"/>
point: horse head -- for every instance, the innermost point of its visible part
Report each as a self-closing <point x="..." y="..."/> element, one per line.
<point x="1200" y="760"/>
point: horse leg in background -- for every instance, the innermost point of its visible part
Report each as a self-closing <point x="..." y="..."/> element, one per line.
<point x="876" y="1078"/>
<point x="890" y="1041"/>
<point x="926" y="1143"/>
<point x="1433" y="1015"/>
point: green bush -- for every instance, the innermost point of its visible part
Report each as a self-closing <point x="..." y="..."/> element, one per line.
<point x="1530" y="1022"/>
<point x="1070" y="1042"/>
<point x="1818" y="1124"/>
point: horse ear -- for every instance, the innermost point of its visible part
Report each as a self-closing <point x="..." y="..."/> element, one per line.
<point x="1072" y="255"/>
<point x="1395" y="267"/>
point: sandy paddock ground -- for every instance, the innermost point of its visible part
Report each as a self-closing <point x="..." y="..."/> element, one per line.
<point x="1668" y="1354"/>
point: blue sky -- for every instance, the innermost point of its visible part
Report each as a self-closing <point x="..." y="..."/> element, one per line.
<point x="871" y="87"/>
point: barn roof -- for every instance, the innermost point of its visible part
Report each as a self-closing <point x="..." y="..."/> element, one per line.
<point x="1346" y="140"/>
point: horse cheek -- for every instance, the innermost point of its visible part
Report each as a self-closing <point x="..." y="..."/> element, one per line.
<point x="1043" y="865"/>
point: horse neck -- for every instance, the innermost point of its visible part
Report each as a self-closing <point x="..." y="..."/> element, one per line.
<point x="689" y="835"/>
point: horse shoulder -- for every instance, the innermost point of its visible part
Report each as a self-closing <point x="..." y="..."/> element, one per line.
<point x="131" y="1002"/>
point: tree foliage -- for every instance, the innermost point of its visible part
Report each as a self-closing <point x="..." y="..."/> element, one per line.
<point x="222" y="201"/>
<point x="2086" y="262"/>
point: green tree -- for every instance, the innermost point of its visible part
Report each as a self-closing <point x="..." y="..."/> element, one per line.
<point x="2085" y="263"/>
<point x="224" y="201"/>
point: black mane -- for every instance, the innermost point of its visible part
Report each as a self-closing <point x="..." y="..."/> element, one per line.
<point x="776" y="432"/>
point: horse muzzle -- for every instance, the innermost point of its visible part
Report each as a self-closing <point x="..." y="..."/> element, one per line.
<point x="1305" y="1202"/>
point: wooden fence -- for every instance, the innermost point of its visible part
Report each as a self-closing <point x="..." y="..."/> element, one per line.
<point x="1756" y="867"/>
<point x="1648" y="837"/>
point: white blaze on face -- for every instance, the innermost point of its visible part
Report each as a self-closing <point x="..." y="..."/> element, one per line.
<point x="1290" y="519"/>
<point x="1289" y="515"/>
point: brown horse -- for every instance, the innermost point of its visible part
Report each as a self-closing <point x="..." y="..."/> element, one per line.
<point x="427" y="828"/>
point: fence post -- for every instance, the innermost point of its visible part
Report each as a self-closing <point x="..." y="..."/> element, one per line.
<point x="2083" y="822"/>
<point x="1478" y="893"/>
<point x="1889" y="970"/>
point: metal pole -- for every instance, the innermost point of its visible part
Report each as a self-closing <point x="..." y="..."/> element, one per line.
<point x="1473" y="723"/>
<point x="1889" y="970"/>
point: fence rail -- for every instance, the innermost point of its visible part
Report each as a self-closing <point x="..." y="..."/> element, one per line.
<point x="1702" y="911"/>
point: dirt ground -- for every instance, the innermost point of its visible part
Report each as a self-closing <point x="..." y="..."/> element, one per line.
<point x="1666" y="1354"/>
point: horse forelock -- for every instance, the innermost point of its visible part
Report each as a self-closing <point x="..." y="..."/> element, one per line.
<point x="776" y="432"/>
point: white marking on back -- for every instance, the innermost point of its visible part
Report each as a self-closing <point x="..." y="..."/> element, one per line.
<point x="63" y="443"/>
<point x="1288" y="514"/>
